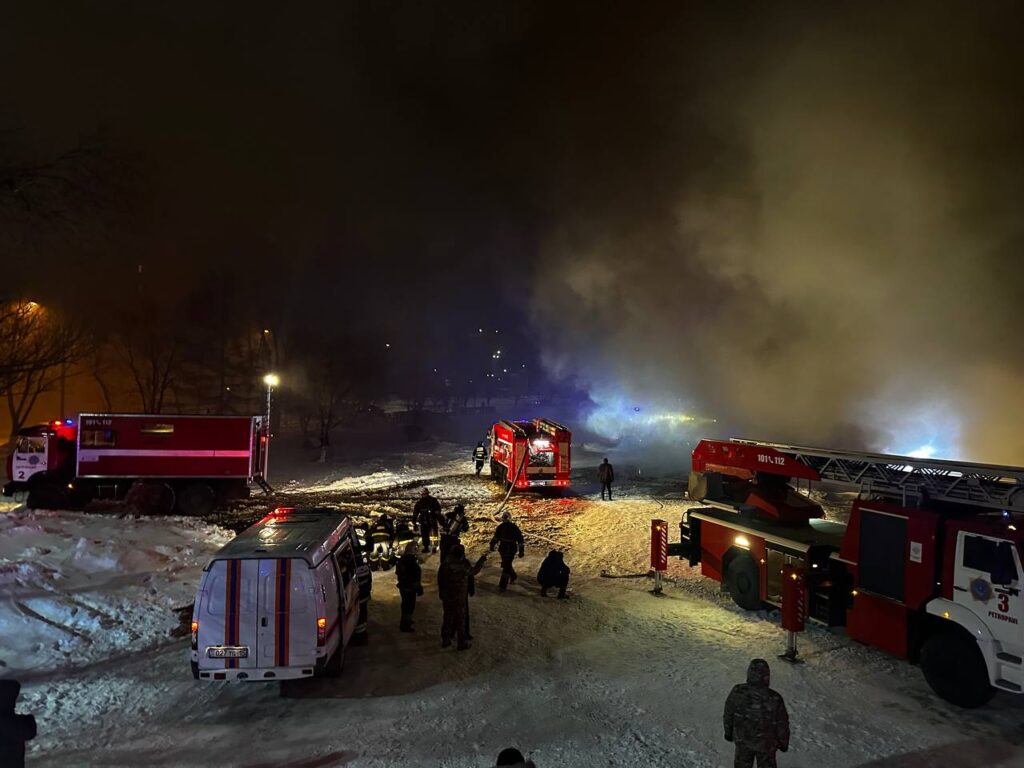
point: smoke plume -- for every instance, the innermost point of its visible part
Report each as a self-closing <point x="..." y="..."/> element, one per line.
<point x="811" y="230"/>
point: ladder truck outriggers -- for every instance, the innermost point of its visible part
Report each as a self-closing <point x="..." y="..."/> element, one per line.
<point x="927" y="568"/>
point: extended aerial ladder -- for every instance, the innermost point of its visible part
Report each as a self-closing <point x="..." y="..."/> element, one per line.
<point x="905" y="479"/>
<point x="927" y="565"/>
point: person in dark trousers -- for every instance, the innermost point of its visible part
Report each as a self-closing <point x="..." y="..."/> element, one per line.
<point x="479" y="456"/>
<point x="409" y="585"/>
<point x="513" y="758"/>
<point x="455" y="523"/>
<point x="453" y="582"/>
<point x="426" y="513"/>
<point x="508" y="539"/>
<point x="756" y="720"/>
<point x="381" y="534"/>
<point x="606" y="474"/>
<point x="15" y="729"/>
<point x="474" y="569"/>
<point x="553" y="573"/>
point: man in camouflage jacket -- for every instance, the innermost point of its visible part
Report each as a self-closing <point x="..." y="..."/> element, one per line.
<point x="755" y="719"/>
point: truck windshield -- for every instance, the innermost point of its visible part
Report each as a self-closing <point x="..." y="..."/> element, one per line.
<point x="31" y="445"/>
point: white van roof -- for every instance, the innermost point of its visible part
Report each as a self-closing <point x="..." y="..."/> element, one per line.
<point x="309" y="533"/>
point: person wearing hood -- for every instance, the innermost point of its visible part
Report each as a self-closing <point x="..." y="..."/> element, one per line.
<point x="553" y="573"/>
<point x="454" y="583"/>
<point x="508" y="539"/>
<point x="756" y="720"/>
<point x="15" y="729"/>
<point x="513" y="758"/>
<point x="409" y="585"/>
<point x="479" y="456"/>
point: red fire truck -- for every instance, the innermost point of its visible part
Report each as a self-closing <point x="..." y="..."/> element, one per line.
<point x="530" y="454"/>
<point x="194" y="462"/>
<point x="928" y="567"/>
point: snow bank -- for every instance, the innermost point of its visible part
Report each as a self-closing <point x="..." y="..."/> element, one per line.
<point x="76" y="589"/>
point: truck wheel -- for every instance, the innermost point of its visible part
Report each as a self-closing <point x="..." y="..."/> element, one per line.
<point x="47" y="492"/>
<point x="955" y="669"/>
<point x="151" y="498"/>
<point x="336" y="663"/>
<point x="196" y="500"/>
<point x="743" y="580"/>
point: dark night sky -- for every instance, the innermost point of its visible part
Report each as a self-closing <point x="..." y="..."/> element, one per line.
<point x="680" y="197"/>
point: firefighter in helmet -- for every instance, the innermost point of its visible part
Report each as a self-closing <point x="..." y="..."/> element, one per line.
<point x="382" y="533"/>
<point x="479" y="456"/>
<point x="509" y="540"/>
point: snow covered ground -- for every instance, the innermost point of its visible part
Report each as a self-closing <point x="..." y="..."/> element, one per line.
<point x="613" y="676"/>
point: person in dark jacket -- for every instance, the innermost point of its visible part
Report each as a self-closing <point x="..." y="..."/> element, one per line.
<point x="426" y="513"/>
<point x="606" y="474"/>
<point x="15" y="729"/>
<point x="513" y="758"/>
<point x="508" y="539"/>
<point x="409" y="585"/>
<point x="455" y="523"/>
<point x="403" y="535"/>
<point x="553" y="573"/>
<point x="479" y="456"/>
<point x="381" y="535"/>
<point x="755" y="719"/>
<point x="454" y="579"/>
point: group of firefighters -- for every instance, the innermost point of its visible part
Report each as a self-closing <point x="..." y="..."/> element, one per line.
<point x="441" y="532"/>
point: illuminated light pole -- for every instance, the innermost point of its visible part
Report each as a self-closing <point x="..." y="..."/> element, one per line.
<point x="271" y="380"/>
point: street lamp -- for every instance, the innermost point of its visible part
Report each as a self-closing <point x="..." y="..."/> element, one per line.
<point x="271" y="380"/>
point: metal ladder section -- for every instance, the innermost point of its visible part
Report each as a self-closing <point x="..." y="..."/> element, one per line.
<point x="912" y="480"/>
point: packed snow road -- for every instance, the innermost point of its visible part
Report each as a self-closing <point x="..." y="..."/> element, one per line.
<point x="613" y="676"/>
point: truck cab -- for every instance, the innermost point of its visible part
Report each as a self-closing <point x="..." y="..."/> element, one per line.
<point x="48" y="447"/>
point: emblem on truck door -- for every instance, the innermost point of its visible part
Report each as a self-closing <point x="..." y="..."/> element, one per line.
<point x="981" y="590"/>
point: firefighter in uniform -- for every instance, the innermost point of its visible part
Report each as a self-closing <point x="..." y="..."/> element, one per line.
<point x="553" y="573"/>
<point x="381" y="534"/>
<point x="403" y="535"/>
<point x="426" y="513"/>
<point x="755" y="719"/>
<point x="479" y="456"/>
<point x="508" y="539"/>
<point x="454" y="525"/>
<point x="454" y="580"/>
<point x="409" y="585"/>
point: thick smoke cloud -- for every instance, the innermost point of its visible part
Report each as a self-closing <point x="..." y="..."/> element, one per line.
<point x="817" y="236"/>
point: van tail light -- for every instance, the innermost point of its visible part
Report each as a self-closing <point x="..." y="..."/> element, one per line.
<point x="195" y="635"/>
<point x="321" y="632"/>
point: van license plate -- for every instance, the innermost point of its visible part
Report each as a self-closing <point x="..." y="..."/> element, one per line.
<point x="228" y="653"/>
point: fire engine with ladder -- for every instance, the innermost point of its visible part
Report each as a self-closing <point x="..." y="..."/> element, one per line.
<point x="927" y="568"/>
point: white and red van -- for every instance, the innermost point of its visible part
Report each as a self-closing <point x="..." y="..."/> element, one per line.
<point x="282" y="600"/>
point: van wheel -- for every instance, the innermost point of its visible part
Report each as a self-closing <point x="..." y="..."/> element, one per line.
<point x="196" y="500"/>
<point x="743" y="580"/>
<point x="955" y="669"/>
<point x="336" y="663"/>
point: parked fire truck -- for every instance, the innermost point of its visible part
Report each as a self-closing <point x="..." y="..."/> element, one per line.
<point x="927" y="568"/>
<point x="191" y="462"/>
<point x="530" y="454"/>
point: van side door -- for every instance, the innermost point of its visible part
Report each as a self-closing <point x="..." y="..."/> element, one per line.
<point x="329" y="583"/>
<point x="345" y="558"/>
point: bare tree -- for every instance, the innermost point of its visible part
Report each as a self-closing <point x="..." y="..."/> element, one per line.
<point x="150" y="347"/>
<point x="37" y="344"/>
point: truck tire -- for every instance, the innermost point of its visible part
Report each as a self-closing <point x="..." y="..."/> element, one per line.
<point x="151" y="498"/>
<point x="196" y="500"/>
<point x="955" y="669"/>
<point x="743" y="580"/>
<point x="47" y="492"/>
